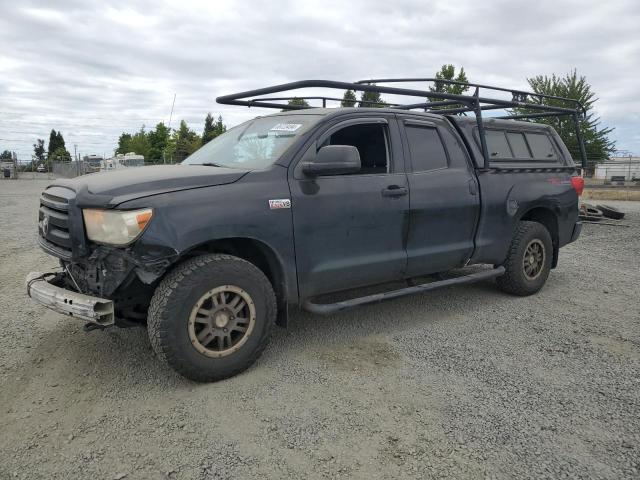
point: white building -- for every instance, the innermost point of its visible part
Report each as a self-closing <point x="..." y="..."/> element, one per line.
<point x="619" y="169"/>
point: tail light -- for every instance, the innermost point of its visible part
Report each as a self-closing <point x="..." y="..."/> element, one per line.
<point x="578" y="184"/>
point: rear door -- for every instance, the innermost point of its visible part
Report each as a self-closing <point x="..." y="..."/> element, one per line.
<point x="444" y="200"/>
<point x="350" y="230"/>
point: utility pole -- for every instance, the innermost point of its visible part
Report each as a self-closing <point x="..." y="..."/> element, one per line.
<point x="75" y="153"/>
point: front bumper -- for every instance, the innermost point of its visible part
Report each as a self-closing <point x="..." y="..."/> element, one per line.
<point x="92" y="309"/>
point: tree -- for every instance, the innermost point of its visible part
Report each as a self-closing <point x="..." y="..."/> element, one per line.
<point x="371" y="99"/>
<point x="57" y="151"/>
<point x="296" y="101"/>
<point x="139" y="143"/>
<point x="448" y="72"/>
<point x="212" y="129"/>
<point x="6" y="155"/>
<point x="60" y="141"/>
<point x="208" y="132"/>
<point x="187" y="141"/>
<point x="124" y="143"/>
<point x="38" y="151"/>
<point x="597" y="143"/>
<point x="348" y="99"/>
<point x="219" y="127"/>
<point x="158" y="141"/>
<point x="53" y="142"/>
<point x="60" y="155"/>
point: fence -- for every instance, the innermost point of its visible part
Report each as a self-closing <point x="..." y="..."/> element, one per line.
<point x="68" y="169"/>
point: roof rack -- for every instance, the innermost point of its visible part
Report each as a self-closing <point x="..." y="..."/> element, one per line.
<point x="535" y="105"/>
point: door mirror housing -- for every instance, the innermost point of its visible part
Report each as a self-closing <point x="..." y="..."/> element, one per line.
<point x="333" y="160"/>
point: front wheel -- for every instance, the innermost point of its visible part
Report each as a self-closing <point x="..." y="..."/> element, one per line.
<point x="528" y="262"/>
<point x="211" y="317"/>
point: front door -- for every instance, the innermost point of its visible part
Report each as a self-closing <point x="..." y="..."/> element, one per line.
<point x="350" y="230"/>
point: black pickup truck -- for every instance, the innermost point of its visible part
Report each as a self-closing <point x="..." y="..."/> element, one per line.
<point x="303" y="207"/>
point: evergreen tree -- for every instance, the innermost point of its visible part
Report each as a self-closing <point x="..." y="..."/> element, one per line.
<point x="187" y="142"/>
<point x="6" y="155"/>
<point x="60" y="141"/>
<point x="208" y="133"/>
<point x="348" y="99"/>
<point x="53" y="143"/>
<point x="597" y="143"/>
<point x="59" y="155"/>
<point x="158" y="140"/>
<point x="56" y="150"/>
<point x="371" y="99"/>
<point x="219" y="127"/>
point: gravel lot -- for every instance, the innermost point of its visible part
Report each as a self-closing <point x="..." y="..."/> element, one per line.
<point x="462" y="383"/>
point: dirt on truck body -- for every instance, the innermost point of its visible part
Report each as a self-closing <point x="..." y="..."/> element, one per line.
<point x="285" y="209"/>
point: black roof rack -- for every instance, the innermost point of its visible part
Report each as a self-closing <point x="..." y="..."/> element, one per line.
<point x="536" y="105"/>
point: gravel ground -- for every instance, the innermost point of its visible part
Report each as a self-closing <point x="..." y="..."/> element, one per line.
<point x="464" y="382"/>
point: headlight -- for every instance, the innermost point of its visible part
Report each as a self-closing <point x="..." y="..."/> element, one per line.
<point x="115" y="227"/>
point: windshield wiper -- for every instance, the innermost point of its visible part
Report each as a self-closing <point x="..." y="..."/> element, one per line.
<point x="211" y="164"/>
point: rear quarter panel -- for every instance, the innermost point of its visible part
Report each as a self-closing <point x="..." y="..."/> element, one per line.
<point x="508" y="194"/>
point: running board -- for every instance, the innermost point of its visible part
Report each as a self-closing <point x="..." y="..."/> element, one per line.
<point x="329" y="308"/>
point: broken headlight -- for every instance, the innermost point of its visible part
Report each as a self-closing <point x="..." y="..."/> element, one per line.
<point x="115" y="227"/>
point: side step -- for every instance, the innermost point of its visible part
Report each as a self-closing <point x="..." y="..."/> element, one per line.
<point x="329" y="308"/>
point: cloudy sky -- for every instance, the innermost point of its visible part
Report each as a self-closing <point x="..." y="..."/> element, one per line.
<point x="93" y="69"/>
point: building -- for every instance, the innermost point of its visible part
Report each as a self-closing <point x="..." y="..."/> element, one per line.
<point x="619" y="169"/>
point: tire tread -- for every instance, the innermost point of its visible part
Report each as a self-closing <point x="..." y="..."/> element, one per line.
<point x="158" y="317"/>
<point x="511" y="281"/>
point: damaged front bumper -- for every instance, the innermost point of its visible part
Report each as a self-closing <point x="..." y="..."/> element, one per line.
<point x="41" y="288"/>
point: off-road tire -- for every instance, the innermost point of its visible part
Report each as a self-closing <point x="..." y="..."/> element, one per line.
<point x="176" y="296"/>
<point x="515" y="279"/>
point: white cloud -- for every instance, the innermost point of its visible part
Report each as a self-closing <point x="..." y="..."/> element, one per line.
<point x="93" y="69"/>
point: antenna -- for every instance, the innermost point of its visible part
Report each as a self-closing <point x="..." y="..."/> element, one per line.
<point x="171" y="114"/>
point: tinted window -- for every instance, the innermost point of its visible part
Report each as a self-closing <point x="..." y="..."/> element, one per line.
<point x="541" y="146"/>
<point x="371" y="142"/>
<point x="425" y="146"/>
<point x="497" y="144"/>
<point x="518" y="145"/>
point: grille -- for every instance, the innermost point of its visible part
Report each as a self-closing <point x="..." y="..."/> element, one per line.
<point x="53" y="224"/>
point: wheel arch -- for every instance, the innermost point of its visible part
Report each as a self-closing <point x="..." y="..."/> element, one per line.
<point x="549" y="219"/>
<point x="259" y="254"/>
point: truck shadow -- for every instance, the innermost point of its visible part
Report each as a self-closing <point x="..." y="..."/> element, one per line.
<point x="124" y="356"/>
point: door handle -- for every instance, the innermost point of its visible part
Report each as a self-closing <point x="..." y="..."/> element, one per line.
<point x="394" y="191"/>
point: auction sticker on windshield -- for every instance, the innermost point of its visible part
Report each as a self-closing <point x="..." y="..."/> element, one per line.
<point x="286" y="127"/>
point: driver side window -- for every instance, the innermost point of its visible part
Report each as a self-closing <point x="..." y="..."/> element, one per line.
<point x="371" y="140"/>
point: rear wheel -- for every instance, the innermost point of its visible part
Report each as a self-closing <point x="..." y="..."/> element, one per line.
<point x="211" y="317"/>
<point x="528" y="261"/>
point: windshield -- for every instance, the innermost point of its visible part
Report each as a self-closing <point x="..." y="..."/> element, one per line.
<point x="254" y="144"/>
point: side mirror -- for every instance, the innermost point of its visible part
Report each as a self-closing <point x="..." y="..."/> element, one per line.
<point x="333" y="160"/>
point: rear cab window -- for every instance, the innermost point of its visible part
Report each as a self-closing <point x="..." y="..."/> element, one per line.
<point x="520" y="146"/>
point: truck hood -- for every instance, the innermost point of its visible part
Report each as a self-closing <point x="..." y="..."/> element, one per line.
<point x="108" y="189"/>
